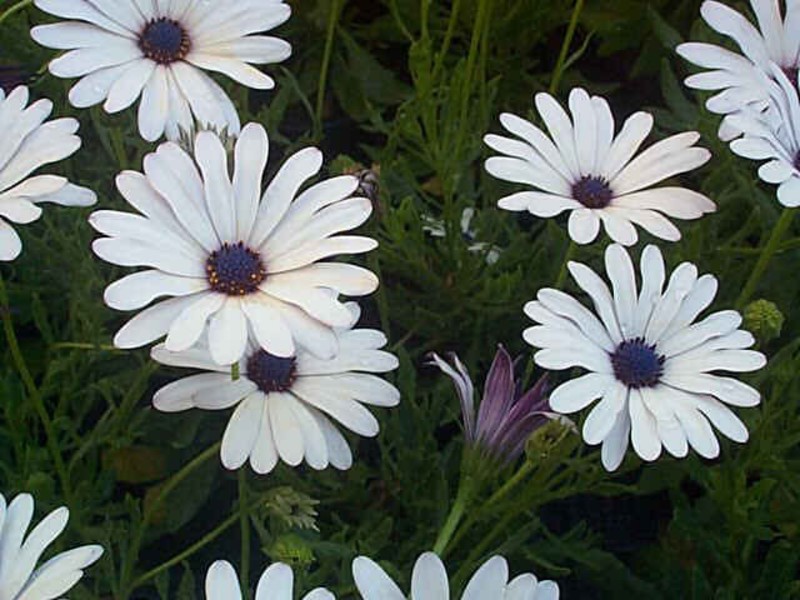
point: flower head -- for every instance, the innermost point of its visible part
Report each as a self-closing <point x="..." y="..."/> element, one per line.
<point x="277" y="581"/>
<point x="429" y="581"/>
<point x="506" y="418"/>
<point x="585" y="168"/>
<point x="29" y="142"/>
<point x="19" y="577"/>
<point x="742" y="80"/>
<point x="230" y="257"/>
<point x="284" y="405"/>
<point x="774" y="136"/>
<point x="650" y="363"/>
<point x="123" y="49"/>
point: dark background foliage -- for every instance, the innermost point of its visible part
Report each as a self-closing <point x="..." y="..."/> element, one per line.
<point x="408" y="87"/>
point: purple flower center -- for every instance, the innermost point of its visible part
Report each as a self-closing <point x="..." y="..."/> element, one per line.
<point x="271" y="373"/>
<point x="791" y="74"/>
<point x="592" y="192"/>
<point x="797" y="162"/>
<point x="637" y="364"/>
<point x="235" y="270"/>
<point x="164" y="41"/>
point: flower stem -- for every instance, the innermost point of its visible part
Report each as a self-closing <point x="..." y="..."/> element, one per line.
<point x="501" y="493"/>
<point x="463" y="497"/>
<point x="201" y="543"/>
<point x="244" y="522"/>
<point x="558" y="72"/>
<point x="171" y="484"/>
<point x="333" y="20"/>
<point x="562" y="272"/>
<point x="768" y="251"/>
<point x="33" y="393"/>
<point x="16" y="8"/>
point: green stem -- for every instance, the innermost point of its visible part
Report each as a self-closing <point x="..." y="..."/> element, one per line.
<point x="562" y="272"/>
<point x="558" y="72"/>
<point x="166" y="489"/>
<point x="16" y="8"/>
<point x="178" y="558"/>
<point x="33" y="393"/>
<point x="333" y="19"/>
<point x="501" y="493"/>
<point x="768" y="251"/>
<point x="244" y="521"/>
<point x="463" y="497"/>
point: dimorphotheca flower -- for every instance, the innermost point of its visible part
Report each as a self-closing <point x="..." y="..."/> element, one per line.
<point x="277" y="582"/>
<point x="122" y="49"/>
<point x="506" y="417"/>
<point x="436" y="228"/>
<point x="742" y="79"/>
<point x="774" y="136"/>
<point x="230" y="256"/>
<point x="429" y="582"/>
<point x="284" y="405"/>
<point x="650" y="363"/>
<point x="27" y="144"/>
<point x="583" y="167"/>
<point x="19" y="577"/>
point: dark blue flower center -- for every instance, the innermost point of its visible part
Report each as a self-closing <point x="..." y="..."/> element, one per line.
<point x="592" y="192"/>
<point x="164" y="41"/>
<point x="271" y="373"/>
<point x="637" y="364"/>
<point x="235" y="270"/>
<point x="791" y="73"/>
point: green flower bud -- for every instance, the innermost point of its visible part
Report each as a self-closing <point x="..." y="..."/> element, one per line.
<point x="763" y="319"/>
<point x="292" y="550"/>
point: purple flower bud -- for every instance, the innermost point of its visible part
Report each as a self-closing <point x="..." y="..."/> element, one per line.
<point x="506" y="417"/>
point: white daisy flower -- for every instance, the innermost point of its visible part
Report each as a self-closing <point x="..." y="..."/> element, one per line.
<point x="584" y="168"/>
<point x="742" y="80"/>
<point x="28" y="143"/>
<point x="19" y="577"/>
<point x="231" y="257"/>
<point x="277" y="582"/>
<point x="159" y="49"/>
<point x="774" y="136"/>
<point x="650" y="364"/>
<point x="284" y="406"/>
<point x="429" y="582"/>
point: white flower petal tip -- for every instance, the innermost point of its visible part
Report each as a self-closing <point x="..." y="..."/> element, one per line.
<point x="161" y="53"/>
<point x="773" y="135"/>
<point x="234" y="259"/>
<point x="22" y="550"/>
<point x="429" y="580"/>
<point x="287" y="408"/>
<point x="581" y="165"/>
<point x="30" y="142"/>
<point x="651" y="364"/>
<point x="277" y="581"/>
<point x="743" y="81"/>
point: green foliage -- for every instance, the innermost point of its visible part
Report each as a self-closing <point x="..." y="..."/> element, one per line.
<point x="412" y="86"/>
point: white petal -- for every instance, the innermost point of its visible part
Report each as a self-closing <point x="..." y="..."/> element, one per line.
<point x="429" y="578"/>
<point x="644" y="435"/>
<point x="241" y="432"/>
<point x="577" y="394"/>
<point x="276" y="583"/>
<point x="187" y="327"/>
<point x="373" y="583"/>
<point x="583" y="226"/>
<point x="222" y="582"/>
<point x="489" y="581"/>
